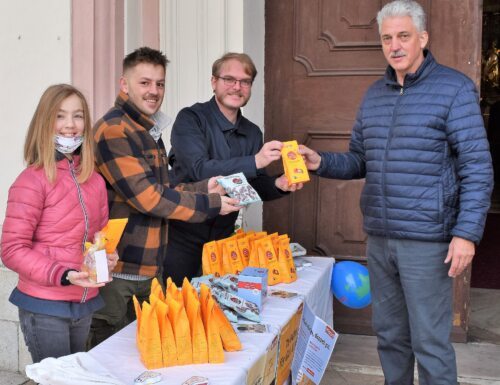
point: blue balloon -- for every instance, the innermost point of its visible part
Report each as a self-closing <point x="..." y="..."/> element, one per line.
<point x="351" y="284"/>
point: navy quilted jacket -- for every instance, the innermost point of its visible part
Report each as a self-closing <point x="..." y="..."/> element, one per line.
<point x="423" y="151"/>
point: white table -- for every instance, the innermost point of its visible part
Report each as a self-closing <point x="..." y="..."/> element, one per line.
<point x="119" y="355"/>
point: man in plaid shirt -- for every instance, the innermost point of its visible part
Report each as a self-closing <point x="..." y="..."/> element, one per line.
<point x="131" y="157"/>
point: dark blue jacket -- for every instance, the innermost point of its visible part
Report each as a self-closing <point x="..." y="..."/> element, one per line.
<point x="205" y="144"/>
<point x="423" y="151"/>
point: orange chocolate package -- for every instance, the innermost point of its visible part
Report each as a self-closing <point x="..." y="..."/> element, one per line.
<point x="214" y="342"/>
<point x="198" y="336"/>
<point x="230" y="340"/>
<point x="149" y="338"/>
<point x="285" y="260"/>
<point x="269" y="260"/>
<point x="231" y="258"/>
<point x="293" y="163"/>
<point x="168" y="348"/>
<point x="211" y="259"/>
<point x="182" y="332"/>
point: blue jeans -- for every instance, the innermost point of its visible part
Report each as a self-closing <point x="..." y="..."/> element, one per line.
<point x="50" y="336"/>
<point x="412" y="303"/>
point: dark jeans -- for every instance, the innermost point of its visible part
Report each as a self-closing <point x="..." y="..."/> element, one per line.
<point x="50" y="336"/>
<point x="412" y="310"/>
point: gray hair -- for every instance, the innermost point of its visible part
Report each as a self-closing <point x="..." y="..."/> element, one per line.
<point x="401" y="8"/>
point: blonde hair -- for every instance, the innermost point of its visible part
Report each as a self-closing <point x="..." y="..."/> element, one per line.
<point x="243" y="58"/>
<point x="39" y="147"/>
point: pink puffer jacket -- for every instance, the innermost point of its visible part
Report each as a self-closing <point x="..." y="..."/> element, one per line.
<point x="47" y="224"/>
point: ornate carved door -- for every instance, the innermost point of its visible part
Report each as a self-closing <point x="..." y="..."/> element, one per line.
<point x="321" y="56"/>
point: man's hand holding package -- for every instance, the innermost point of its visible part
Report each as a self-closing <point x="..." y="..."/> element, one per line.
<point x="269" y="152"/>
<point x="311" y="157"/>
<point x="228" y="205"/>
<point x="214" y="187"/>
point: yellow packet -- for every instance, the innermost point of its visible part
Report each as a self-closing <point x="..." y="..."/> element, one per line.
<point x="293" y="163"/>
<point x="168" y="348"/>
<point x="285" y="260"/>
<point x="287" y="250"/>
<point x="231" y="258"/>
<point x="113" y="232"/>
<point x="157" y="290"/>
<point x="182" y="333"/>
<point x="211" y="259"/>
<point x="193" y="310"/>
<point x="215" y="350"/>
<point x="253" y="259"/>
<point x="150" y="341"/>
<point x="173" y="291"/>
<point x="244" y="248"/>
<point x="230" y="340"/>
<point x="95" y="260"/>
<point x="137" y="308"/>
<point x="268" y="259"/>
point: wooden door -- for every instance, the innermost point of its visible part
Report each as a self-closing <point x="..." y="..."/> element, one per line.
<point x="321" y="56"/>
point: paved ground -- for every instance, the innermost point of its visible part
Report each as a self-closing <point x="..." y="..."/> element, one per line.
<point x="355" y="362"/>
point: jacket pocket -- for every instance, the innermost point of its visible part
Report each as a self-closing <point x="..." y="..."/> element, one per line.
<point x="450" y="197"/>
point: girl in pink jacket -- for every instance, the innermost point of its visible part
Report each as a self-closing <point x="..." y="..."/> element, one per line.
<point x="55" y="205"/>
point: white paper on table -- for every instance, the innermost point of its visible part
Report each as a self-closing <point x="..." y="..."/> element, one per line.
<point x="75" y="369"/>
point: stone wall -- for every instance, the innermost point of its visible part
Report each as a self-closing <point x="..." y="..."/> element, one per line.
<point x="14" y="355"/>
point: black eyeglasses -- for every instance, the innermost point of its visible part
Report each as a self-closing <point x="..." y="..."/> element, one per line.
<point x="228" y="81"/>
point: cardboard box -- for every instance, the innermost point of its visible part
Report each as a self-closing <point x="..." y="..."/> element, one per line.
<point x="252" y="285"/>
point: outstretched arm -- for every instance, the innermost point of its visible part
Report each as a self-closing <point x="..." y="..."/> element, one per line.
<point x="129" y="169"/>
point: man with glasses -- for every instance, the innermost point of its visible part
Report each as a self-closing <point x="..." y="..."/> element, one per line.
<point x="420" y="143"/>
<point x="214" y="138"/>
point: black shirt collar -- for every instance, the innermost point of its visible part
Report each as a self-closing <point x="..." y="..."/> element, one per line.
<point x="223" y="122"/>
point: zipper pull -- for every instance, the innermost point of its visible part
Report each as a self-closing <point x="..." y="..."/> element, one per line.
<point x="401" y="91"/>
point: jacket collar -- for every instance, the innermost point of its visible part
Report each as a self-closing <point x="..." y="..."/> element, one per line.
<point x="223" y="122"/>
<point x="63" y="162"/>
<point x="425" y="68"/>
<point x="124" y="103"/>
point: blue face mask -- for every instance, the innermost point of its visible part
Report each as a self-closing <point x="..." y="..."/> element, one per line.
<point x="67" y="145"/>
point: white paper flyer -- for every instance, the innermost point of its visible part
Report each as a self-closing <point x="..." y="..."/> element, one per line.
<point x="314" y="348"/>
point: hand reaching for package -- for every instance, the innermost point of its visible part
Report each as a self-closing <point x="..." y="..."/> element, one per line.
<point x="311" y="158"/>
<point x="228" y="205"/>
<point x="214" y="187"/>
<point x="269" y="152"/>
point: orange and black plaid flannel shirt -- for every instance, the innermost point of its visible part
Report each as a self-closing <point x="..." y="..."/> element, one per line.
<point x="135" y="168"/>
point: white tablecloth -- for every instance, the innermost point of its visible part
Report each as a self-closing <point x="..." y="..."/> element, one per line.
<point x="119" y="355"/>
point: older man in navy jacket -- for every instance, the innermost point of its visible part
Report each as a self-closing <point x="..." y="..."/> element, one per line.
<point x="420" y="142"/>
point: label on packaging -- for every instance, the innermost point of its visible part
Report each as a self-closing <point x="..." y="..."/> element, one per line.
<point x="252" y="285"/>
<point x="101" y="266"/>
